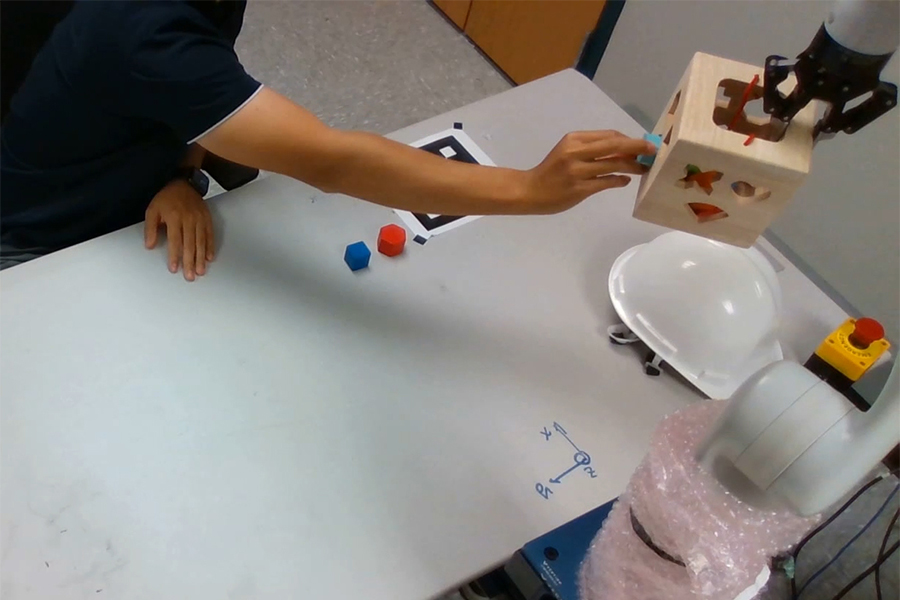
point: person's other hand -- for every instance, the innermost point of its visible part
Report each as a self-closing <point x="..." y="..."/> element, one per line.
<point x="582" y="164"/>
<point x="189" y="228"/>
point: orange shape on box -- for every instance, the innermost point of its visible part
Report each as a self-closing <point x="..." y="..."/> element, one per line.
<point x="706" y="212"/>
<point x="703" y="179"/>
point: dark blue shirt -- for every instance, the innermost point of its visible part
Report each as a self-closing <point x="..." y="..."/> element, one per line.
<point x="107" y="111"/>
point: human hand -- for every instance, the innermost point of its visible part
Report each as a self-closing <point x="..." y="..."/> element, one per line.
<point x="580" y="165"/>
<point x="188" y="224"/>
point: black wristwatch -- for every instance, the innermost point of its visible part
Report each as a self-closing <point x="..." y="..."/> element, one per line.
<point x="197" y="178"/>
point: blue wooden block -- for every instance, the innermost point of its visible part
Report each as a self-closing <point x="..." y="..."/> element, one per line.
<point x="357" y="256"/>
<point x="656" y="140"/>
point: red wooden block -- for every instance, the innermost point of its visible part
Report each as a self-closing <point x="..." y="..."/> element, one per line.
<point x="391" y="240"/>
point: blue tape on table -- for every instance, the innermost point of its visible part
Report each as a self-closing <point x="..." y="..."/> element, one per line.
<point x="557" y="556"/>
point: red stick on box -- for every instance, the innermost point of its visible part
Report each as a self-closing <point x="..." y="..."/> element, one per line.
<point x="744" y="99"/>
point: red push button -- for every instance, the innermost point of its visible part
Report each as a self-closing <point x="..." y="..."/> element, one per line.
<point x="865" y="332"/>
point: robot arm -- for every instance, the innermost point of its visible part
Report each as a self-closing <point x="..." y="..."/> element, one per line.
<point x="787" y="437"/>
<point x="843" y="62"/>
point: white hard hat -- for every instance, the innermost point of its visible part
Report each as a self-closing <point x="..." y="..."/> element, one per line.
<point x="709" y="309"/>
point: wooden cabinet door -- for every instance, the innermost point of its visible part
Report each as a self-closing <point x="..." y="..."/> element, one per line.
<point x="529" y="39"/>
<point x="456" y="10"/>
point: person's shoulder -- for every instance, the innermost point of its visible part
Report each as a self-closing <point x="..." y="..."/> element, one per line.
<point x="132" y="22"/>
<point x="101" y="13"/>
<point x="131" y="10"/>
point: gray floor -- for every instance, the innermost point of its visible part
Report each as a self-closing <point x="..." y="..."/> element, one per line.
<point x="856" y="558"/>
<point x="377" y="66"/>
<point x="382" y="65"/>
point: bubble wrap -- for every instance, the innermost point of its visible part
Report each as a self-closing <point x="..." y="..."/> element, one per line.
<point x="724" y="543"/>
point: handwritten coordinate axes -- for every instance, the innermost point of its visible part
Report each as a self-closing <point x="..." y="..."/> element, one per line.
<point x="581" y="460"/>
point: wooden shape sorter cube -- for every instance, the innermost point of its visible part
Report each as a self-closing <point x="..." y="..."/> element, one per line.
<point x="721" y="172"/>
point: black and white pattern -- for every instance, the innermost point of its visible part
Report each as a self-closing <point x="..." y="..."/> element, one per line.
<point x="452" y="144"/>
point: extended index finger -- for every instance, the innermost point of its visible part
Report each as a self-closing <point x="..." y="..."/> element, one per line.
<point x="616" y="146"/>
<point x="200" y="257"/>
<point x="589" y="137"/>
<point x="189" y="249"/>
<point x="173" y="240"/>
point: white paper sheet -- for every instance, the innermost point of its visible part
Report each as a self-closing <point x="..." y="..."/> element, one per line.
<point x="431" y="224"/>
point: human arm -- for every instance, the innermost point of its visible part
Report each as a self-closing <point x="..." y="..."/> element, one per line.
<point x="202" y="93"/>
<point x="194" y="156"/>
<point x="185" y="215"/>
<point x="270" y="132"/>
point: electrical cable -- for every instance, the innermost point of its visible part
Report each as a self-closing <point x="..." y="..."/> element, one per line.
<point x="867" y="572"/>
<point x="836" y="514"/>
<point x="825" y="524"/>
<point x="796" y="551"/>
<point x="853" y="539"/>
<point x="884" y="540"/>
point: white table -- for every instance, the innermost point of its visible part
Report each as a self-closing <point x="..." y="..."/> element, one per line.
<point x="284" y="428"/>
